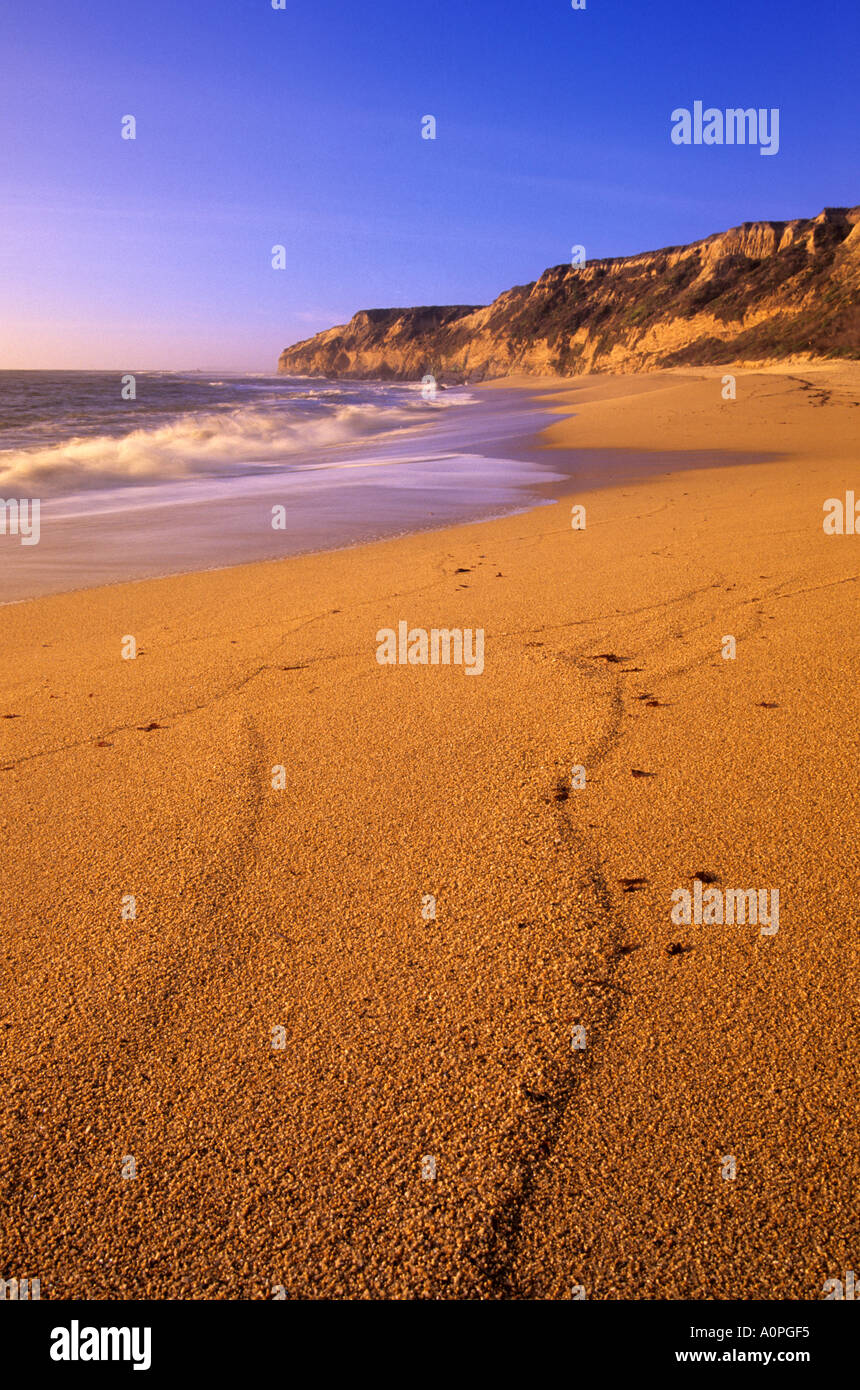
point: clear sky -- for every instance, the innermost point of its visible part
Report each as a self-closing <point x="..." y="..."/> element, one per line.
<point x="302" y="127"/>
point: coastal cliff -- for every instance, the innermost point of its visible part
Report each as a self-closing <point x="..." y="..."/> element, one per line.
<point x="764" y="291"/>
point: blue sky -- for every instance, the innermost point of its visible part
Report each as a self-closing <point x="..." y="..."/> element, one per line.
<point x="302" y="127"/>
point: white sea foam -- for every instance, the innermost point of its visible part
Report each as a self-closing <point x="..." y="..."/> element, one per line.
<point x="198" y="444"/>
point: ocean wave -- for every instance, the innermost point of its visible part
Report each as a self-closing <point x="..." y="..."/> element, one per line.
<point x="198" y="444"/>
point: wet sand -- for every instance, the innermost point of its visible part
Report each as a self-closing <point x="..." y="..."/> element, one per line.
<point x="448" y="469"/>
<point x="299" y="1161"/>
<point x="475" y="462"/>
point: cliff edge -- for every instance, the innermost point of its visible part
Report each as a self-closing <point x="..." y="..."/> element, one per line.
<point x="764" y="291"/>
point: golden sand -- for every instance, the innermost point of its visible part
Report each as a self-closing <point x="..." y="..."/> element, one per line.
<point x="414" y="1045"/>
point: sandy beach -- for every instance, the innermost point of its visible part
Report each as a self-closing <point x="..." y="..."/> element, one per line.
<point x="276" y="1073"/>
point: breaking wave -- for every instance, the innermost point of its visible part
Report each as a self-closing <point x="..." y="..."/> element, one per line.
<point x="248" y="439"/>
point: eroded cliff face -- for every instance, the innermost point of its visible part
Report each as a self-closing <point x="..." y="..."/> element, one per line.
<point x="760" y="292"/>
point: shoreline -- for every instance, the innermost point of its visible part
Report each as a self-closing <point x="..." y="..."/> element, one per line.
<point x="296" y="1157"/>
<point x="335" y="497"/>
<point x="568" y="471"/>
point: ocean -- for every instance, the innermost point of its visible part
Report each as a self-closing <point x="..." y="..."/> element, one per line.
<point x="201" y="470"/>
